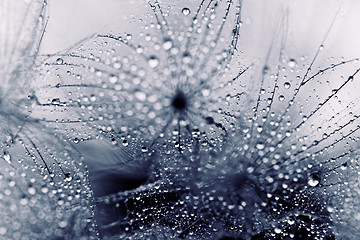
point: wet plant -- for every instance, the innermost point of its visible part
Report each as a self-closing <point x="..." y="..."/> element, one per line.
<point x="154" y="85"/>
<point x="44" y="187"/>
<point x="231" y="146"/>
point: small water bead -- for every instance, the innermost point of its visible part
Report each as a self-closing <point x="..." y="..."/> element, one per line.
<point x="167" y="44"/>
<point x="32" y="190"/>
<point x="281" y="98"/>
<point x="153" y="61"/>
<point x="63" y="224"/>
<point x="313" y="182"/>
<point x="23" y="201"/>
<point x="140" y="95"/>
<point x="292" y="63"/>
<point x="185" y="11"/>
<point x="59" y="61"/>
<point x="113" y="79"/>
<point x="128" y="36"/>
<point x="55" y="101"/>
<point x="260" y="146"/>
<point x="7" y="158"/>
<point x="186" y="58"/>
<point x="3" y="230"/>
<point x="287" y="85"/>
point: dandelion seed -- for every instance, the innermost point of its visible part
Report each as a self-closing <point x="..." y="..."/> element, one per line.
<point x="36" y="165"/>
<point x="171" y="84"/>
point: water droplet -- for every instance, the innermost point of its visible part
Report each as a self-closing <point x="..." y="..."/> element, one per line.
<point x="287" y="85"/>
<point x="128" y="36"/>
<point x="281" y="98"/>
<point x="186" y="58"/>
<point x="63" y="224"/>
<point x="7" y="158"/>
<point x="23" y="201"/>
<point x="68" y="177"/>
<point x="185" y="11"/>
<point x="59" y="61"/>
<point x="313" y="182"/>
<point x="291" y="221"/>
<point x="55" y="101"/>
<point x="32" y="190"/>
<point x="140" y="95"/>
<point x="113" y="79"/>
<point x="167" y="44"/>
<point x="343" y="166"/>
<point x="153" y="61"/>
<point x="3" y="230"/>
<point x="292" y="63"/>
<point x="260" y="146"/>
<point x="144" y="149"/>
<point x="330" y="209"/>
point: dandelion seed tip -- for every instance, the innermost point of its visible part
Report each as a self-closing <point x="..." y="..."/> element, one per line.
<point x="179" y="102"/>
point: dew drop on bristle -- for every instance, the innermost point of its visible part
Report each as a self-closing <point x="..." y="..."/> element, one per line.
<point x="287" y="85"/>
<point x="292" y="63"/>
<point x="185" y="11"/>
<point x="153" y="61"/>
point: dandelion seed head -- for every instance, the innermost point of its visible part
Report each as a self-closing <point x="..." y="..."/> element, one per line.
<point x="162" y="78"/>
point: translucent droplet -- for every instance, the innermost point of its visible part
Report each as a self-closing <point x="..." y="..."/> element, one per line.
<point x="330" y="209"/>
<point x="287" y="85"/>
<point x="7" y="158"/>
<point x="59" y="61"/>
<point x="260" y="146"/>
<point x="186" y="58"/>
<point x="3" y="230"/>
<point x="63" y="224"/>
<point x="281" y="98"/>
<point x="55" y="101"/>
<point x="113" y="79"/>
<point x="32" y="190"/>
<point x="128" y="36"/>
<point x="167" y="44"/>
<point x="292" y="63"/>
<point x="185" y="11"/>
<point x="313" y="182"/>
<point x="153" y="61"/>
<point x="140" y="95"/>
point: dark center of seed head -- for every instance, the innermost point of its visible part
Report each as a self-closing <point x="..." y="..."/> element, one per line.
<point x="179" y="102"/>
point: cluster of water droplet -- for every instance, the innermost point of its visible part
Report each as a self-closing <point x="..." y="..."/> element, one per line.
<point x="44" y="189"/>
<point x="260" y="155"/>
